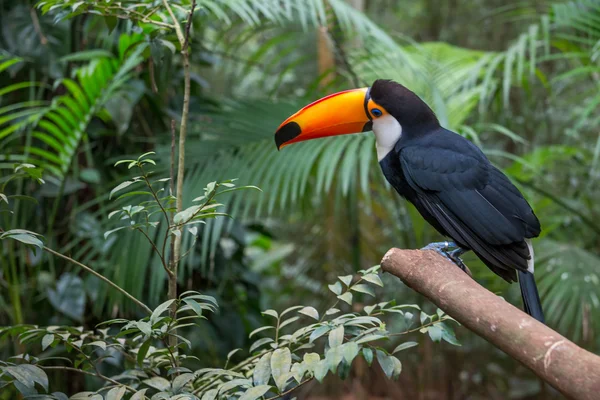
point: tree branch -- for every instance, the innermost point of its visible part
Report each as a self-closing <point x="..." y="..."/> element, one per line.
<point x="570" y="369"/>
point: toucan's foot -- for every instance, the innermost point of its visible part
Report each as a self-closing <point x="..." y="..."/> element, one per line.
<point x="454" y="255"/>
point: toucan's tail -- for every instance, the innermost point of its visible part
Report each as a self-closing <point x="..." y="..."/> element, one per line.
<point x="531" y="297"/>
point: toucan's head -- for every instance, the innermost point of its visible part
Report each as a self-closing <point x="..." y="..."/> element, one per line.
<point x="387" y="108"/>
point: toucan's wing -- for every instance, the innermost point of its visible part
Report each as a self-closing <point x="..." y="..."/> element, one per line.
<point x="474" y="202"/>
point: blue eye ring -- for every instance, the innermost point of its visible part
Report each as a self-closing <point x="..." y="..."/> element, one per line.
<point x="376" y="112"/>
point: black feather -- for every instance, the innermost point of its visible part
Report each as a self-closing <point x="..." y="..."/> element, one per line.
<point x="531" y="297"/>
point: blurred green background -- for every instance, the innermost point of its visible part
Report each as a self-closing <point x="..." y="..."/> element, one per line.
<point x="521" y="79"/>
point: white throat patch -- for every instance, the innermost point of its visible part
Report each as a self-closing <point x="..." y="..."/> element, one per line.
<point x="387" y="132"/>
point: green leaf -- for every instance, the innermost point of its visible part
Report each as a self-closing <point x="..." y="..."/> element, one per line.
<point x="350" y="351"/>
<point x="311" y="312"/>
<point x="47" y="341"/>
<point x="159" y="310"/>
<point x="336" y="336"/>
<point x="144" y="327"/>
<point x="369" y="309"/>
<point x="257" y="330"/>
<point x="139" y="395"/>
<point x="346" y="279"/>
<point x="25" y="238"/>
<point x="334" y="357"/>
<point x="287" y="310"/>
<point x="262" y="371"/>
<point x="298" y="370"/>
<point x="158" y="383"/>
<point x="259" y="343"/>
<point x="143" y="350"/>
<point x="404" y="346"/>
<point x="232" y="353"/>
<point x="281" y="362"/>
<point x="435" y="333"/>
<point x="108" y="233"/>
<point x="180" y="381"/>
<point x="98" y="343"/>
<point x="134" y="193"/>
<point x="368" y="355"/>
<point x="116" y="393"/>
<point x="311" y="360"/>
<point x="120" y="186"/>
<point x="374" y="279"/>
<point x="28" y="375"/>
<point x="346" y="298"/>
<point x="336" y="288"/>
<point x="194" y="305"/>
<point x="146" y="154"/>
<point x="234" y="384"/>
<point x="363" y="289"/>
<point x="371" y="338"/>
<point x="255" y="392"/>
<point x="272" y="313"/>
<point x="185" y="215"/>
<point x="317" y="333"/>
<point x="210" y="394"/>
<point x="448" y="335"/>
<point x="390" y="365"/>
<point x="288" y="321"/>
<point x="321" y="370"/>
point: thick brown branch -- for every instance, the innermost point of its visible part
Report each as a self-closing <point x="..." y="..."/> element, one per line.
<point x="570" y="369"/>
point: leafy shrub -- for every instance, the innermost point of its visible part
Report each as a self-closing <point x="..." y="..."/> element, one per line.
<point x="299" y="345"/>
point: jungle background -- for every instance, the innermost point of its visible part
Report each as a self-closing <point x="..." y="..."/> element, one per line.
<point x="520" y="79"/>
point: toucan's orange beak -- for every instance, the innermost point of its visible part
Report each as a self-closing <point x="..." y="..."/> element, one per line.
<point x="337" y="114"/>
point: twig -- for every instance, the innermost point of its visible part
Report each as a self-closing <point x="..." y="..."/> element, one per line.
<point x="175" y="25"/>
<point x="37" y="26"/>
<point x="97" y="374"/>
<point x="290" y="390"/>
<point x="173" y="359"/>
<point x="152" y="75"/>
<point x="188" y="26"/>
<point x="430" y="323"/>
<point x="101" y="277"/>
<point x="140" y="17"/>
<point x="162" y="259"/>
<point x="154" y="194"/>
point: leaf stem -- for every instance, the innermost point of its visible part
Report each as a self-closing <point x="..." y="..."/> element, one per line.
<point x="101" y="277"/>
<point x="162" y="259"/>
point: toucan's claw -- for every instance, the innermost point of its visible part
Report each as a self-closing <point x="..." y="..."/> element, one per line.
<point x="454" y="255"/>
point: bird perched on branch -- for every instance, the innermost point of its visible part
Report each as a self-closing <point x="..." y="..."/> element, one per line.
<point x="448" y="179"/>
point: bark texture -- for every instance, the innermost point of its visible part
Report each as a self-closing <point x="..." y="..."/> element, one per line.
<point x="572" y="370"/>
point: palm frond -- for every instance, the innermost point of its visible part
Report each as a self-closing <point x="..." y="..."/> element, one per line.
<point x="569" y="287"/>
<point x="62" y="126"/>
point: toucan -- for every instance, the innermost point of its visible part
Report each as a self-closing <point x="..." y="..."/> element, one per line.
<point x="446" y="177"/>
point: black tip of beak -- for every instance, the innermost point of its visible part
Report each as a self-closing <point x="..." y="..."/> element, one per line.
<point x="286" y="133"/>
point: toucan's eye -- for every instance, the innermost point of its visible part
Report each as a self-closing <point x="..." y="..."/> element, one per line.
<point x="376" y="112"/>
